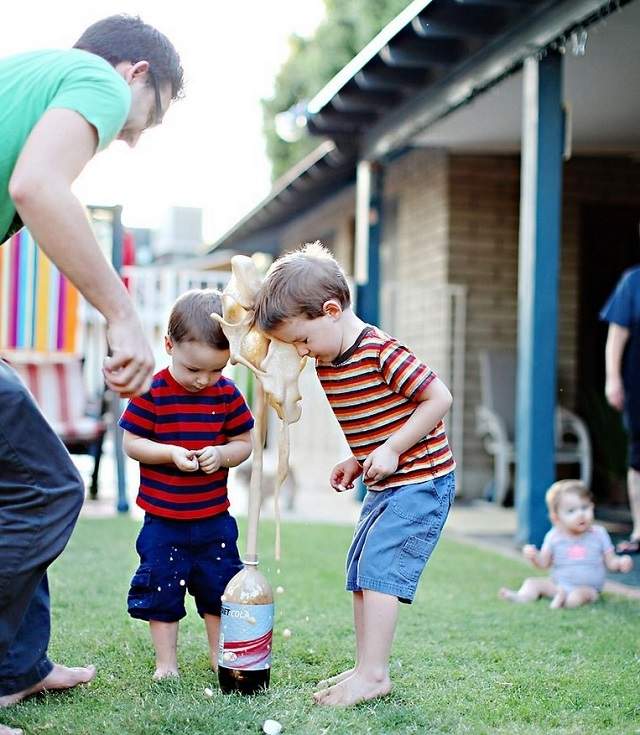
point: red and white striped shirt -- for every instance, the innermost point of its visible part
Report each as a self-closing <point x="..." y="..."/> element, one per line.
<point x="372" y="389"/>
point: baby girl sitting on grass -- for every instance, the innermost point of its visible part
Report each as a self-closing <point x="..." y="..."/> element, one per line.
<point x="578" y="552"/>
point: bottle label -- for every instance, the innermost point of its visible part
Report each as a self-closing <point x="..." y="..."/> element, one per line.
<point x="245" y="636"/>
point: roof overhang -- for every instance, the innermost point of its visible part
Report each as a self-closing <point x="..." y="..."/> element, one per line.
<point x="482" y="70"/>
<point x="323" y="172"/>
<point x="430" y="60"/>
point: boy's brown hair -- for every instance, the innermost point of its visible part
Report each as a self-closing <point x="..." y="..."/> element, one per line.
<point x="190" y="319"/>
<point x="298" y="285"/>
<point x="564" y="487"/>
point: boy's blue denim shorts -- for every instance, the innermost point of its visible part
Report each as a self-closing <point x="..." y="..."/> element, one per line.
<point x="178" y="556"/>
<point x="397" y="530"/>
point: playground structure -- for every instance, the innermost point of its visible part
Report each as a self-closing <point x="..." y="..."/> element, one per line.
<point x="57" y="341"/>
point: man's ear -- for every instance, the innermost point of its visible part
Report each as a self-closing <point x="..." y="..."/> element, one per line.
<point x="131" y="71"/>
<point x="332" y="308"/>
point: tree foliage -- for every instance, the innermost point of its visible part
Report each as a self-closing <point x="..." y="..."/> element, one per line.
<point x="348" y="27"/>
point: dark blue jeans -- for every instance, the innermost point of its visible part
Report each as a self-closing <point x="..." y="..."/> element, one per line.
<point x="41" y="494"/>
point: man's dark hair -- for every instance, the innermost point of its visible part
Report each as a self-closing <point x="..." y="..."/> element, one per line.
<point x="127" y="38"/>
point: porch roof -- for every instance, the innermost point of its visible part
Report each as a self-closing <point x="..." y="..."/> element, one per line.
<point x="325" y="170"/>
<point x="431" y="59"/>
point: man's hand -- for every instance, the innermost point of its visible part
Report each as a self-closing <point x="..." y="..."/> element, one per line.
<point x="344" y="473"/>
<point x="129" y="369"/>
<point x="209" y="458"/>
<point x="381" y="463"/>
<point x="614" y="391"/>
<point x="184" y="459"/>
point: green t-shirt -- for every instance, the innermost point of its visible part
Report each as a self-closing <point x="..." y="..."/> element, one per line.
<point x="34" y="82"/>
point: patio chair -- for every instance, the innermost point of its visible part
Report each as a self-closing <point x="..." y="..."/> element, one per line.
<point x="496" y="423"/>
<point x="56" y="382"/>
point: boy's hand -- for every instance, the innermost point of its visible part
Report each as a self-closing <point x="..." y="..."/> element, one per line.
<point x="530" y="552"/>
<point x="184" y="459"/>
<point x="381" y="463"/>
<point x="625" y="564"/>
<point x="210" y="459"/>
<point x="344" y="473"/>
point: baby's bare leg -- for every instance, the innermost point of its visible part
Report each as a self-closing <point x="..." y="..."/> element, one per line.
<point x="371" y="678"/>
<point x="532" y="588"/>
<point x="357" y="619"/>
<point x="165" y="641"/>
<point x="212" y="624"/>
<point x="581" y="596"/>
<point x="559" y="599"/>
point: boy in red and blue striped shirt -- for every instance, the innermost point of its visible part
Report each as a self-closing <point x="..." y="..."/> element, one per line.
<point x="186" y="432"/>
<point x="390" y="406"/>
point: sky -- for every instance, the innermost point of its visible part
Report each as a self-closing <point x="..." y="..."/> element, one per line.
<point x="209" y="152"/>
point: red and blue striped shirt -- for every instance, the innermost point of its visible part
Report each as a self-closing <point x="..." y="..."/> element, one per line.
<point x="170" y="414"/>
<point x="372" y="389"/>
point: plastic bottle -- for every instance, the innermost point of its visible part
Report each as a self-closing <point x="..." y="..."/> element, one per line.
<point x="246" y="632"/>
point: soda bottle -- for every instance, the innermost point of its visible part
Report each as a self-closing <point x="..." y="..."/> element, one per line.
<point x="246" y="631"/>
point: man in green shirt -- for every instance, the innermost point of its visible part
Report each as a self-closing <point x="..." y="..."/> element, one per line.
<point x="57" y="110"/>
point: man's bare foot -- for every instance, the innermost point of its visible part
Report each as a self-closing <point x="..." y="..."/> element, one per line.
<point x="506" y="594"/>
<point x="558" y="600"/>
<point x="355" y="689"/>
<point x="326" y="683"/>
<point x="165" y="673"/>
<point x="4" y="730"/>
<point x="60" y="677"/>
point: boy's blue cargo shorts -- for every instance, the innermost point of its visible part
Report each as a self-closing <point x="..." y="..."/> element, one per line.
<point x="397" y="530"/>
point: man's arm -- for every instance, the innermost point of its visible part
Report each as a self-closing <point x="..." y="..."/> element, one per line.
<point x="59" y="147"/>
<point x="616" y="340"/>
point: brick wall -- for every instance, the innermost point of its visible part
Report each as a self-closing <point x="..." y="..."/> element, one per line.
<point x="453" y="219"/>
<point x="484" y="196"/>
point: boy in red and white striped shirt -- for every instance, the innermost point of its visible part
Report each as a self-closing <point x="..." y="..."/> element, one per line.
<point x="390" y="406"/>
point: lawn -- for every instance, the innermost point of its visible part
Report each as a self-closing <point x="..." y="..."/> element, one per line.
<point x="463" y="661"/>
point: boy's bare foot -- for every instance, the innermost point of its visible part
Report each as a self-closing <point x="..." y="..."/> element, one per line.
<point x="4" y="730"/>
<point x="355" y="689"/>
<point x="165" y="673"/>
<point x="507" y="594"/>
<point x="326" y="683"/>
<point x="558" y="600"/>
<point x="60" y="677"/>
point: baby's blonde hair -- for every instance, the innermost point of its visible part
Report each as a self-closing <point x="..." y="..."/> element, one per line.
<point x="564" y="487"/>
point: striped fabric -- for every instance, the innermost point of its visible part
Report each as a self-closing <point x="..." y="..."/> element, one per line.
<point x="56" y="382"/>
<point x="170" y="414"/>
<point x="38" y="305"/>
<point x="371" y="389"/>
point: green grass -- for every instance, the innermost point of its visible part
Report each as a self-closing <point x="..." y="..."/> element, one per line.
<point x="463" y="661"/>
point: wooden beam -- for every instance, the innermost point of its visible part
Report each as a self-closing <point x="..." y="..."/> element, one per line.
<point x="357" y="100"/>
<point x="423" y="53"/>
<point x="463" y="26"/>
<point x="384" y="79"/>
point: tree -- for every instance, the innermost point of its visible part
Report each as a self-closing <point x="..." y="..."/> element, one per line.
<point x="348" y="27"/>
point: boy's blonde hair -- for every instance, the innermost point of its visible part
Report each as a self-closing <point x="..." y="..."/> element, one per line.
<point x="190" y="319"/>
<point x="298" y="285"/>
<point x="565" y="487"/>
